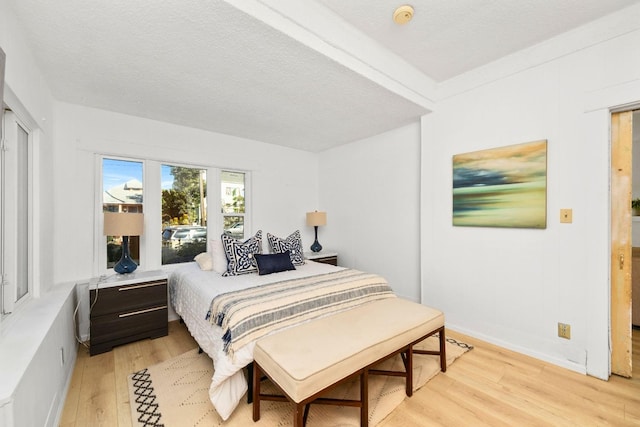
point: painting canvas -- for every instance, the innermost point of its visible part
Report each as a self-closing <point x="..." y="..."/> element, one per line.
<point x="501" y="187"/>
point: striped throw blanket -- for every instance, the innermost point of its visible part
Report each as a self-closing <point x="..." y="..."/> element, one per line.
<point x="249" y="314"/>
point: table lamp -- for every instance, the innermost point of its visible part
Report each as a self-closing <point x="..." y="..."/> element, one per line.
<point x="316" y="219"/>
<point x="124" y="224"/>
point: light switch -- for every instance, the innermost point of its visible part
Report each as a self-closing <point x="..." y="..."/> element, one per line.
<point x="566" y="215"/>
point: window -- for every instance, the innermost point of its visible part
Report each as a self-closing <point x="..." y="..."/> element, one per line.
<point x="233" y="203"/>
<point x="184" y="213"/>
<point x="176" y="208"/>
<point x="122" y="192"/>
<point x="16" y="192"/>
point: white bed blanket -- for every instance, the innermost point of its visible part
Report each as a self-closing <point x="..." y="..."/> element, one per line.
<point x="191" y="291"/>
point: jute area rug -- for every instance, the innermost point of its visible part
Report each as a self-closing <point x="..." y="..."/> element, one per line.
<point x="175" y="393"/>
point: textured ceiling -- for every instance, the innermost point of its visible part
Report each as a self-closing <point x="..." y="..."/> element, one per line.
<point x="447" y="38"/>
<point x="208" y="65"/>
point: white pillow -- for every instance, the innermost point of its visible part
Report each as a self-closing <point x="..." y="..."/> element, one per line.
<point x="204" y="260"/>
<point x="218" y="255"/>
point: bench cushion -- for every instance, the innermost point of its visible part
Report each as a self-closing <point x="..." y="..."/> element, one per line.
<point x="308" y="358"/>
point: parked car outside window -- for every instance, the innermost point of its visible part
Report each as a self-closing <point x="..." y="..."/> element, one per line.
<point x="176" y="236"/>
<point x="236" y="230"/>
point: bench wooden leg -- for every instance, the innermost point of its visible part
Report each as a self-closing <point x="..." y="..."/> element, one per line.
<point x="298" y="415"/>
<point x="306" y="413"/>
<point x="443" y="353"/>
<point x="256" y="391"/>
<point x="409" y="369"/>
<point x="364" y="398"/>
<point x="250" y="383"/>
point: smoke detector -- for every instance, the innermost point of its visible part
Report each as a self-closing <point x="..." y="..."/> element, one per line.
<point x="403" y="14"/>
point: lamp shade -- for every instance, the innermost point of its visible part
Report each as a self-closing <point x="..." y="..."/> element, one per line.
<point x="123" y="224"/>
<point x="316" y="218"/>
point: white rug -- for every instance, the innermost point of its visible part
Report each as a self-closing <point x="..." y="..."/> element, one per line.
<point x="176" y="393"/>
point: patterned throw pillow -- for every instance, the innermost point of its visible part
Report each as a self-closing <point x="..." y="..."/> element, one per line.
<point x="293" y="244"/>
<point x="240" y="254"/>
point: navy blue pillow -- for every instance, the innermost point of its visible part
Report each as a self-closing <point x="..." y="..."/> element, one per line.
<point x="273" y="263"/>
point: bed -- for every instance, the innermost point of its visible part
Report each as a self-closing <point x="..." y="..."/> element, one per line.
<point x="191" y="292"/>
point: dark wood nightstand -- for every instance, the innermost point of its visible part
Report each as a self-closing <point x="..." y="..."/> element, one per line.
<point x="325" y="257"/>
<point x="127" y="308"/>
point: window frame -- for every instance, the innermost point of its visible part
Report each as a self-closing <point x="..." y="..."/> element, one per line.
<point x="150" y="243"/>
<point x="208" y="210"/>
<point x="243" y="215"/>
<point x="8" y="266"/>
<point x="100" y="248"/>
<point x="103" y="245"/>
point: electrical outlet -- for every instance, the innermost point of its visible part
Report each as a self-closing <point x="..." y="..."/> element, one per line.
<point x="564" y="330"/>
<point x="566" y="216"/>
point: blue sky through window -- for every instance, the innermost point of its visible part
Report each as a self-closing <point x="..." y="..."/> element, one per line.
<point x="167" y="178"/>
<point x="116" y="172"/>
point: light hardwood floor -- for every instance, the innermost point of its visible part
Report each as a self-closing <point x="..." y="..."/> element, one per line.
<point x="489" y="386"/>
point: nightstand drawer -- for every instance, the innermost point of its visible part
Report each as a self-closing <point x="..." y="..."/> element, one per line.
<point x="128" y="324"/>
<point x="113" y="329"/>
<point x="324" y="257"/>
<point x="127" y="298"/>
<point x="333" y="260"/>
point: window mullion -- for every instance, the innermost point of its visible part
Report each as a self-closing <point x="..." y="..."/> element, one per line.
<point x="151" y="240"/>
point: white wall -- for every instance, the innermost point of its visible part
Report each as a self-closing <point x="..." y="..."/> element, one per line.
<point x="32" y="373"/>
<point x="512" y="286"/>
<point x="283" y="180"/>
<point x="371" y="192"/>
<point x="28" y="95"/>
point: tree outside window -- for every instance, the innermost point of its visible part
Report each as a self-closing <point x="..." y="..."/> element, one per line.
<point x="184" y="213"/>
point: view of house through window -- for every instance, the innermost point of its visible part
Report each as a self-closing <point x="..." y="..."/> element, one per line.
<point x="233" y="207"/>
<point x="184" y="213"/>
<point x="122" y="192"/>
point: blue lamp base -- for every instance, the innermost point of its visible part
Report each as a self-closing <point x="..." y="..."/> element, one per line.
<point x="316" y="247"/>
<point x="126" y="264"/>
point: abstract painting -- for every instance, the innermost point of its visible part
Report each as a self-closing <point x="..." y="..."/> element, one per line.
<point x="501" y="187"/>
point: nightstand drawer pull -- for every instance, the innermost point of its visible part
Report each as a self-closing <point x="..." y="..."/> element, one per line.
<point x="134" y="313"/>
<point x="145" y="285"/>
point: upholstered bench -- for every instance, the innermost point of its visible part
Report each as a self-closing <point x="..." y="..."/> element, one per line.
<point x="306" y="360"/>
